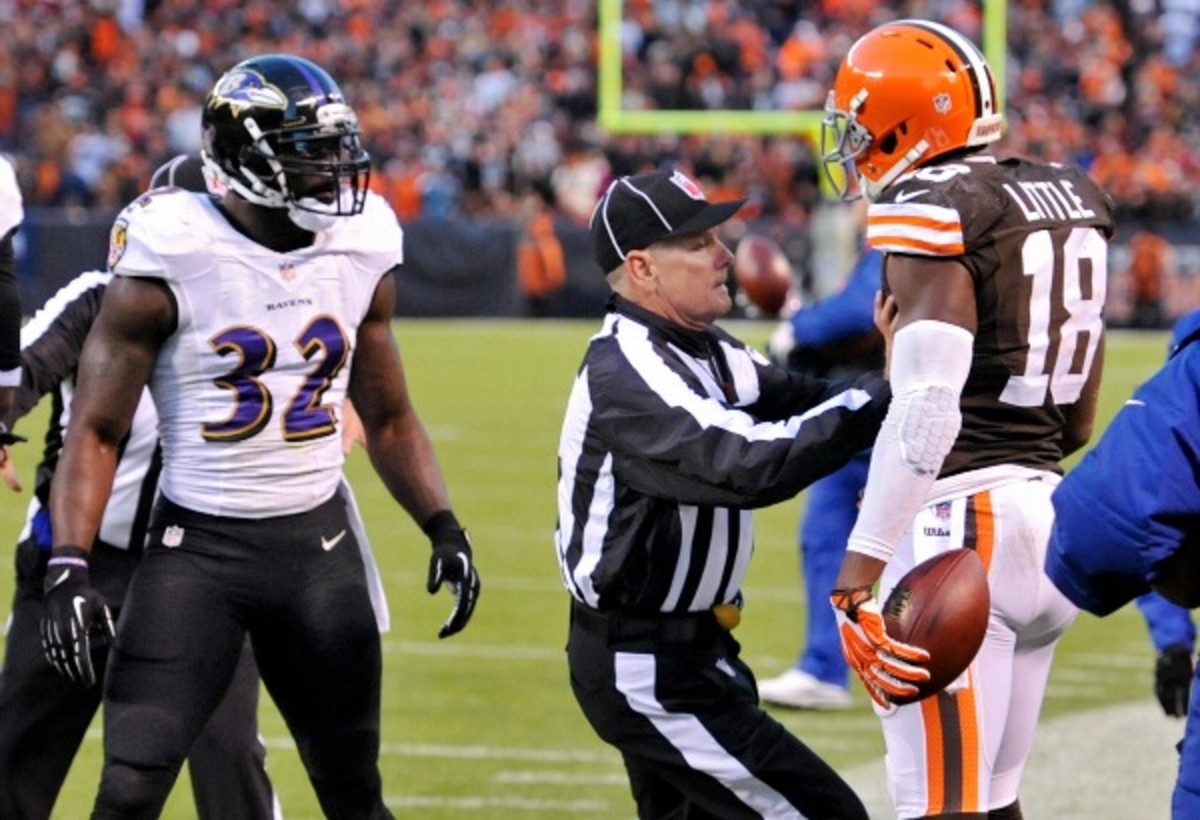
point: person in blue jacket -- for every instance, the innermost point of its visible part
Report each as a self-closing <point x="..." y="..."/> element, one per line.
<point x="1172" y="630"/>
<point x="1127" y="523"/>
<point x="834" y="338"/>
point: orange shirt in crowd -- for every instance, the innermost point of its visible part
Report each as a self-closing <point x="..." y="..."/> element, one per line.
<point x="1147" y="266"/>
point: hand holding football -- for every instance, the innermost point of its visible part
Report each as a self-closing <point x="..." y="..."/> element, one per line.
<point x="763" y="272"/>
<point x="941" y="605"/>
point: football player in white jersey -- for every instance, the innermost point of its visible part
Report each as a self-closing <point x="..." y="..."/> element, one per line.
<point x="12" y="213"/>
<point x="45" y="715"/>
<point x="252" y="319"/>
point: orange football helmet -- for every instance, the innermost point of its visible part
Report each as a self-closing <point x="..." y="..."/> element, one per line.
<point x="906" y="92"/>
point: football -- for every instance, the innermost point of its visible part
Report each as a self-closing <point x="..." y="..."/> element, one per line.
<point x="941" y="605"/>
<point x="763" y="272"/>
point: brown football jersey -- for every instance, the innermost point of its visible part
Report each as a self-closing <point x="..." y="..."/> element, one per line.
<point x="1034" y="237"/>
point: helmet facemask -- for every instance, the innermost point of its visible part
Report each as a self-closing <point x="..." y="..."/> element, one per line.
<point x="843" y="140"/>
<point x="275" y="164"/>
<point x="846" y="143"/>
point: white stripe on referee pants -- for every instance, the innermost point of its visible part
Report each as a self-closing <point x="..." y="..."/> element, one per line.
<point x="635" y="674"/>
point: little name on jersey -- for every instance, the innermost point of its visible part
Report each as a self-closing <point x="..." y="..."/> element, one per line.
<point x="1048" y="199"/>
<point x="289" y="303"/>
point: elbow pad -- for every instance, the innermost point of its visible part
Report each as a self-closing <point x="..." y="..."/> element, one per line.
<point x="930" y="363"/>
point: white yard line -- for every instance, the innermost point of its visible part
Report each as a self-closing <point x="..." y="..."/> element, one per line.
<point x="559" y="778"/>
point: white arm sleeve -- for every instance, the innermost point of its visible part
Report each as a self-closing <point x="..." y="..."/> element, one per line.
<point x="930" y="362"/>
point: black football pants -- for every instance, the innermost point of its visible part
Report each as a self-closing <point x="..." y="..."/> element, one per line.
<point x="43" y="716"/>
<point x="296" y="585"/>
<point x="696" y="744"/>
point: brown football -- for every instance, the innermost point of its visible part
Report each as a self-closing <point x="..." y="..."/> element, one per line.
<point x="941" y="605"/>
<point x="763" y="272"/>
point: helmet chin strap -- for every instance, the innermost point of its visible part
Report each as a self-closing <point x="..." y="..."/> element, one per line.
<point x="310" y="220"/>
<point x="872" y="190"/>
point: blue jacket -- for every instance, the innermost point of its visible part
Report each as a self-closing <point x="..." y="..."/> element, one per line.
<point x="1132" y="500"/>
<point x="849" y="312"/>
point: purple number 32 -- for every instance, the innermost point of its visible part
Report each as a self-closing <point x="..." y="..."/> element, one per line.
<point x="305" y="418"/>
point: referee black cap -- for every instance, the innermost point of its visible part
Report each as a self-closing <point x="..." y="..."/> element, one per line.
<point x="637" y="211"/>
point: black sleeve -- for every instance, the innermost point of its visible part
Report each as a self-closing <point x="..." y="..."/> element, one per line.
<point x="59" y="329"/>
<point x="785" y="392"/>
<point x="698" y="451"/>
<point x="10" y="307"/>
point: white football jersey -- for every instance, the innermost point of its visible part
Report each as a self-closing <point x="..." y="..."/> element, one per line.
<point x="249" y="388"/>
<point x="12" y="211"/>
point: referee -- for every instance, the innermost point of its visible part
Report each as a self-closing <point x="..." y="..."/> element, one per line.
<point x="674" y="431"/>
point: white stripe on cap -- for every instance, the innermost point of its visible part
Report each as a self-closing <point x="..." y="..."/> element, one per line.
<point x="602" y="210"/>
<point x="975" y="58"/>
<point x="625" y="181"/>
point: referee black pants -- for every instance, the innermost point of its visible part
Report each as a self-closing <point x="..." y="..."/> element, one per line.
<point x="43" y="716"/>
<point x="683" y="710"/>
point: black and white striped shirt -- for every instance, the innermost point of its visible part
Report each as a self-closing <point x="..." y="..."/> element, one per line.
<point x="12" y="213"/>
<point x="671" y="437"/>
<point x="50" y="346"/>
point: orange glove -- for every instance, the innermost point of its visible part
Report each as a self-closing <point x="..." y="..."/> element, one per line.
<point x="886" y="667"/>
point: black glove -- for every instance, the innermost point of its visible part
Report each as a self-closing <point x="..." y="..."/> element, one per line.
<point x="451" y="563"/>
<point x="74" y="613"/>
<point x="7" y="437"/>
<point x="1173" y="672"/>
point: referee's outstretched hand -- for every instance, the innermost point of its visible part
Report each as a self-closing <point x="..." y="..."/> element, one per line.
<point x="451" y="563"/>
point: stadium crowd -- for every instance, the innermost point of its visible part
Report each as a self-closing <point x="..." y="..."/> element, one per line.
<point x="467" y="103"/>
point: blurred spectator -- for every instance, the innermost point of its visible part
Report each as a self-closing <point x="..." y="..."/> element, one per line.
<point x="499" y="95"/>
<point x="541" y="268"/>
<point x="1150" y="272"/>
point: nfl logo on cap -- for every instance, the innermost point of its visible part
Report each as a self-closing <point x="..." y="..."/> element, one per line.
<point x="687" y="185"/>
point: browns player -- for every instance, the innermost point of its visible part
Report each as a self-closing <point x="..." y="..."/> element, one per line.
<point x="999" y="273"/>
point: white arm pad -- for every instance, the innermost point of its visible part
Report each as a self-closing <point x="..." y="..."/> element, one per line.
<point x="930" y="362"/>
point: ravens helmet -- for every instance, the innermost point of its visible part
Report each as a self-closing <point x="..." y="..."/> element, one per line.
<point x="277" y="131"/>
<point x="906" y="92"/>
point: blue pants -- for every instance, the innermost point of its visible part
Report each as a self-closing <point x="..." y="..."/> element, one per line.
<point x="1186" y="801"/>
<point x="829" y="515"/>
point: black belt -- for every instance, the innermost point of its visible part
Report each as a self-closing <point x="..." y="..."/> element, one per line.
<point x="627" y="628"/>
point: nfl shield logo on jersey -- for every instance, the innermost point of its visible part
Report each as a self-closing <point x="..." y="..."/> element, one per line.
<point x="172" y="536"/>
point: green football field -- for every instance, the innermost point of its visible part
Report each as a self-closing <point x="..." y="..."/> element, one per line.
<point x="484" y="724"/>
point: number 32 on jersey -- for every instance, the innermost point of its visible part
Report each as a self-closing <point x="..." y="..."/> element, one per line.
<point x="322" y="342"/>
<point x="1084" y="259"/>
